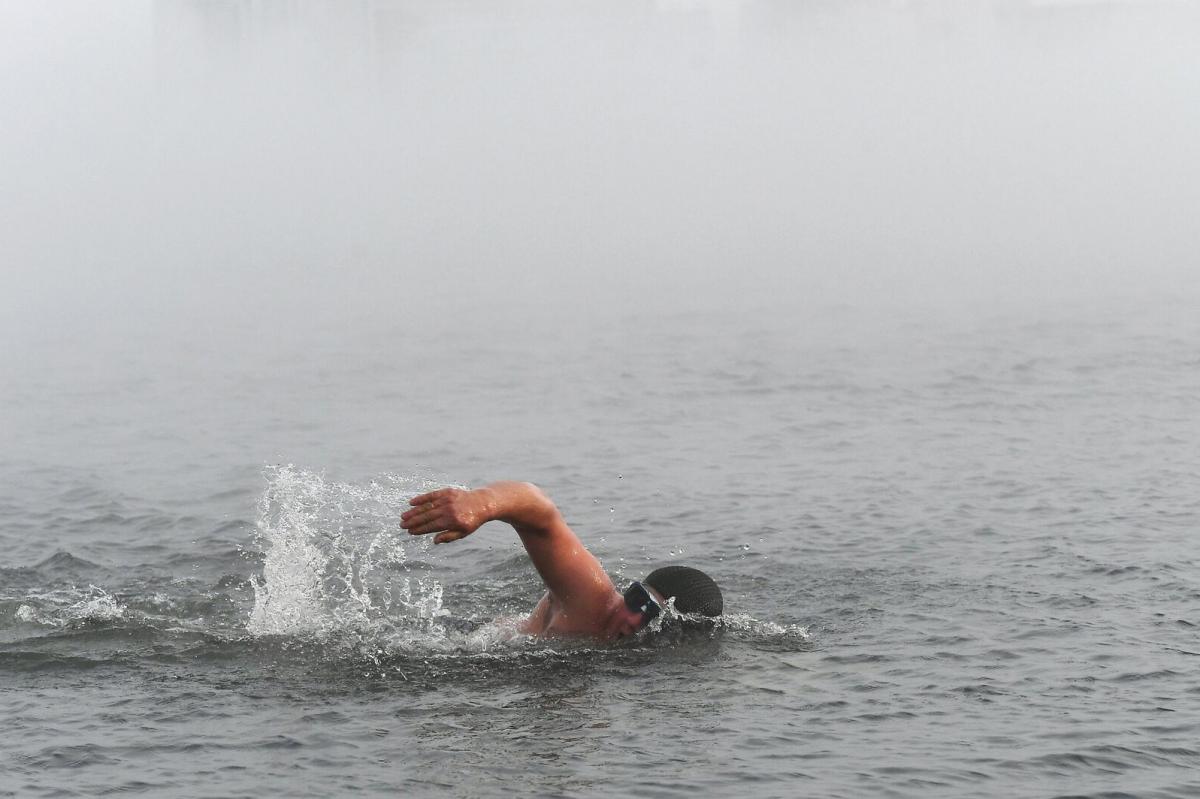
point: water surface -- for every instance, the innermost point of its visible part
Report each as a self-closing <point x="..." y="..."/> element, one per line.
<point x="884" y="314"/>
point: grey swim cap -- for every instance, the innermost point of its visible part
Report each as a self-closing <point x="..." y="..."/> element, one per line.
<point x="694" y="591"/>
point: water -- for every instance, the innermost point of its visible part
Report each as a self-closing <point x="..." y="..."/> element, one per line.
<point x="306" y="260"/>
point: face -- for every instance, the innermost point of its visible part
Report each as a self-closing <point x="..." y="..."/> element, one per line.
<point x="626" y="621"/>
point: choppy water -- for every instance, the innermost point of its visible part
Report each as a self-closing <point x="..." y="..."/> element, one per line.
<point x="952" y="500"/>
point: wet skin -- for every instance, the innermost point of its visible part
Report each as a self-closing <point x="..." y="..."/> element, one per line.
<point x="580" y="599"/>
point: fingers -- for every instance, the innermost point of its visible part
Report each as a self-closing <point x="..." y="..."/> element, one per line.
<point x="434" y="526"/>
<point x="443" y="536"/>
<point x="434" y="512"/>
<point x="418" y="514"/>
<point x="426" y="498"/>
<point x="425" y="519"/>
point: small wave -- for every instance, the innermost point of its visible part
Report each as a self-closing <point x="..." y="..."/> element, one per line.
<point x="746" y="627"/>
<point x="70" y="608"/>
<point x="62" y="562"/>
<point x="46" y="661"/>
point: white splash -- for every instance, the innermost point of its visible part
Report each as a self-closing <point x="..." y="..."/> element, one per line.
<point x="70" y="607"/>
<point x="336" y="560"/>
<point x="745" y="623"/>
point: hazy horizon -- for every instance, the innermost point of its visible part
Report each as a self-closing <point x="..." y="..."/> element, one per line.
<point x="188" y="161"/>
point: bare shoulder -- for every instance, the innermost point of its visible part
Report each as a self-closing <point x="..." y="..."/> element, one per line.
<point x="553" y="619"/>
<point x="539" y="620"/>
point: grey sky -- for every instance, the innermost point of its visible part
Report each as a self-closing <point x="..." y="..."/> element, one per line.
<point x="176" y="160"/>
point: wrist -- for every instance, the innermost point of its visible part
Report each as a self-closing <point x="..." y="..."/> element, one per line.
<point x="487" y="503"/>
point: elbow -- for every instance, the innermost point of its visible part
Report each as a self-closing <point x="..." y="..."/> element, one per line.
<point x="533" y="491"/>
<point x="539" y="500"/>
<point x="541" y="507"/>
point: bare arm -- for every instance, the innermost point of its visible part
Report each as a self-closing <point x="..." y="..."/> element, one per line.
<point x="572" y="574"/>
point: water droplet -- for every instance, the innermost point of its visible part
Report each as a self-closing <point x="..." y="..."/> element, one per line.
<point x="745" y="547"/>
<point x="619" y="476"/>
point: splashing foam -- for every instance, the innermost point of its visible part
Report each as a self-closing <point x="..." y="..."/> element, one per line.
<point x="745" y="623"/>
<point x="70" y="608"/>
<point x="742" y="625"/>
<point x="338" y="567"/>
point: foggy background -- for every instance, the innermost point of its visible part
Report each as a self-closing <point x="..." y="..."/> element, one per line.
<point x="193" y="190"/>
<point x="209" y="158"/>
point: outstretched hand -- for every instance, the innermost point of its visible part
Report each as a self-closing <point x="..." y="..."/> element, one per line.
<point x="452" y="513"/>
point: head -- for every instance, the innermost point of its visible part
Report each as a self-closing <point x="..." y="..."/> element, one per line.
<point x="693" y="592"/>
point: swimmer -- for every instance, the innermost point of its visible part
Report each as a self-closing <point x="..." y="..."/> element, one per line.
<point x="580" y="598"/>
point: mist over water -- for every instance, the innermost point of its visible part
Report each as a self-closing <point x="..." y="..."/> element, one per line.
<point x="411" y="161"/>
<point x="884" y="313"/>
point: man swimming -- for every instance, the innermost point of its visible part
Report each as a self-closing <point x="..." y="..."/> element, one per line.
<point x="580" y="599"/>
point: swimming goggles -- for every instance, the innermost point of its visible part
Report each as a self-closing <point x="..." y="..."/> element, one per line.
<point x="639" y="600"/>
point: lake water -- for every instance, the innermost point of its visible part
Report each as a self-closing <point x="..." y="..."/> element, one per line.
<point x="887" y="315"/>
